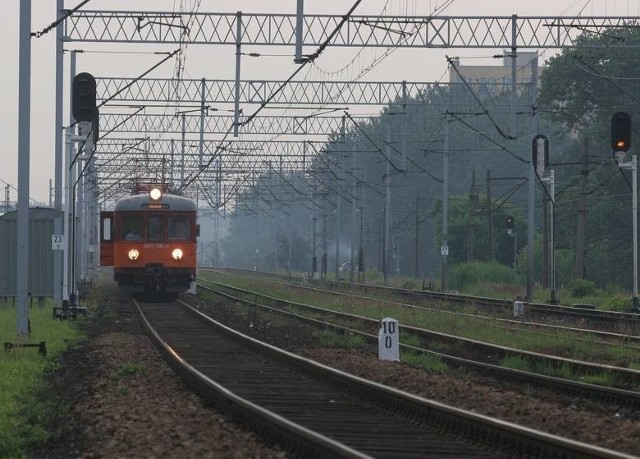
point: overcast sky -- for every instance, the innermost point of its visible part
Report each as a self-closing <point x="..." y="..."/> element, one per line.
<point x="218" y="62"/>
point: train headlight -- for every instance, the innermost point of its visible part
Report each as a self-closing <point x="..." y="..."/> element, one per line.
<point x="133" y="254"/>
<point x="177" y="254"/>
<point x="155" y="194"/>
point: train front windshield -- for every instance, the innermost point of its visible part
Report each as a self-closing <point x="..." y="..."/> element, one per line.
<point x="156" y="228"/>
<point x="179" y="228"/>
<point x="132" y="228"/>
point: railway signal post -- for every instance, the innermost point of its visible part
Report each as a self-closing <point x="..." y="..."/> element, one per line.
<point x="621" y="142"/>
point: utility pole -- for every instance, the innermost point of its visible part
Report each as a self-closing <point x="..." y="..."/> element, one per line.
<point x="58" y="160"/>
<point x="24" y="146"/>
<point x="314" y="260"/>
<point x="633" y="167"/>
<point x="531" y="222"/>
<point x="444" y="249"/>
<point x="338" y="218"/>
<point x="471" y="217"/>
<point x="545" y="241"/>
<point x="580" y="271"/>
<point x="416" y="267"/>
<point x="552" y="251"/>
<point x="490" y="217"/>
<point x="387" y="210"/>
<point x="323" y="269"/>
<point x="621" y="142"/>
<point x="236" y="101"/>
<point x="361" y="260"/>
<point x="354" y="209"/>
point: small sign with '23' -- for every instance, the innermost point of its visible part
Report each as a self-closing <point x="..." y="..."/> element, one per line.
<point x="57" y="242"/>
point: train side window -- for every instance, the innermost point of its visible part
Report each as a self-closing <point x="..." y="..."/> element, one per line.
<point x="155" y="228"/>
<point x="179" y="228"/>
<point x="132" y="228"/>
<point x="106" y="229"/>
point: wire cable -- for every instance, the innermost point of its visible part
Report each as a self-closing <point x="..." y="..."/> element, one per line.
<point x="55" y="24"/>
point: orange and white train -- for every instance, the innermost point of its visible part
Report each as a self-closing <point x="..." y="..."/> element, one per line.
<point x="150" y="240"/>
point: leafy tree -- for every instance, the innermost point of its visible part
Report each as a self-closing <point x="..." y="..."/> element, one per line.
<point x="581" y="88"/>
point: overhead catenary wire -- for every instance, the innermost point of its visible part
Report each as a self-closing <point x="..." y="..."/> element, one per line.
<point x="480" y="103"/>
<point x="482" y="134"/>
<point x="306" y="61"/>
<point x="348" y="115"/>
<point x="268" y="100"/>
<point x="55" y="24"/>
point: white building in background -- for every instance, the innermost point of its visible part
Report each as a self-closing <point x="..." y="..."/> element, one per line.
<point x="492" y="80"/>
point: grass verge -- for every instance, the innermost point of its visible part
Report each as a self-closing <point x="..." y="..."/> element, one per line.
<point x="22" y="375"/>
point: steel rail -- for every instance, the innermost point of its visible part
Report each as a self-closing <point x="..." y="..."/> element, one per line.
<point x="590" y="390"/>
<point x="507" y="437"/>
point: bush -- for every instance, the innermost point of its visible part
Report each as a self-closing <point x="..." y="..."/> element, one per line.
<point x="581" y="287"/>
<point x="617" y="302"/>
<point x="467" y="274"/>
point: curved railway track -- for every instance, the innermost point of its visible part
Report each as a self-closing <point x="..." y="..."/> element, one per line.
<point x="318" y="411"/>
<point x="368" y="328"/>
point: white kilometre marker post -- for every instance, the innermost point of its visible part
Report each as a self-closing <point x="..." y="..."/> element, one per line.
<point x="389" y="340"/>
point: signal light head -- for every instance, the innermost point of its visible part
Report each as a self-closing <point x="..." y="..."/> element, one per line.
<point x="83" y="97"/>
<point x="621" y="131"/>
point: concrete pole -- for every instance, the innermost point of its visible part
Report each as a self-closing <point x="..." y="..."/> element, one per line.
<point x="444" y="249"/>
<point x="203" y="89"/>
<point x="314" y="260"/>
<point x="416" y="265"/>
<point x="490" y="217"/>
<point x="634" y="181"/>
<point x="80" y="214"/>
<point x="633" y="166"/>
<point x="58" y="226"/>
<point x="70" y="172"/>
<point x="182" y="150"/>
<point x="353" y="213"/>
<point x="552" y="257"/>
<point x="403" y="121"/>
<point x="94" y="220"/>
<point x="532" y="184"/>
<point x="338" y="222"/>
<point x="514" y="61"/>
<point x="172" y="152"/>
<point x="24" y="130"/>
<point x="299" y="32"/>
<point x="361" y="254"/>
<point x="387" y="209"/>
<point x="236" y="110"/>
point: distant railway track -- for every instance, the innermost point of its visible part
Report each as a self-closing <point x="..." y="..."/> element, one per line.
<point x="604" y="320"/>
<point x="632" y="341"/>
<point x="486" y="356"/>
<point x="316" y="411"/>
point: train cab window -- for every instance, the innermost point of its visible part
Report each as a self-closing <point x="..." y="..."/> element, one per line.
<point x="179" y="228"/>
<point x="132" y="228"/>
<point x="106" y="229"/>
<point x="155" y="228"/>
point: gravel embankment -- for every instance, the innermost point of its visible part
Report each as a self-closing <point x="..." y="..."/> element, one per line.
<point x="123" y="401"/>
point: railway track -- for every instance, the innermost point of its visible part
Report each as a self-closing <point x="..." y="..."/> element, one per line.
<point x="317" y="411"/>
<point x="367" y="327"/>
<point x="605" y="320"/>
<point x="607" y="337"/>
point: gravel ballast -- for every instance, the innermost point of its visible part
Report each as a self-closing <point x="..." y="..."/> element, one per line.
<point x="118" y="398"/>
